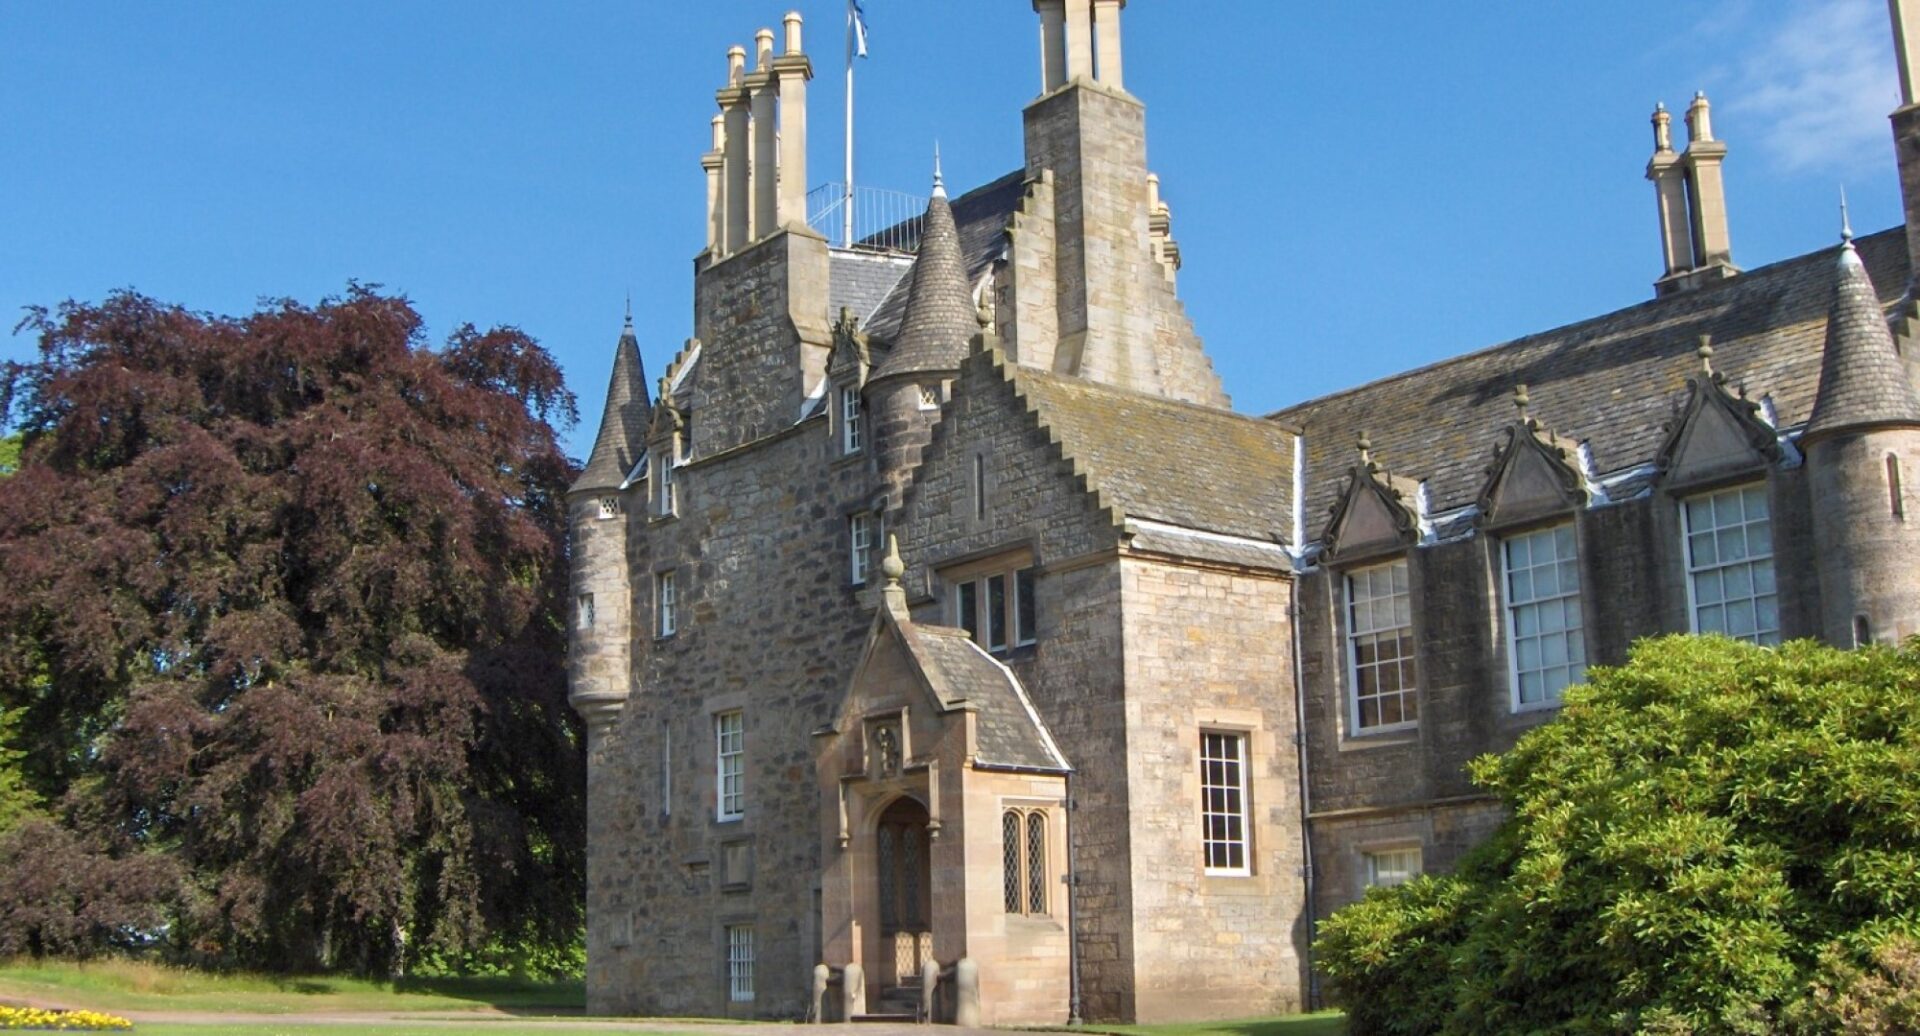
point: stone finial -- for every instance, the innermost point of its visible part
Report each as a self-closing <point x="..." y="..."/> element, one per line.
<point x="1662" y="128"/>
<point x="1705" y="352"/>
<point x="762" y="50"/>
<point x="1365" y="445"/>
<point x="1846" y="223"/>
<point x="891" y="566"/>
<point x="1521" y="401"/>
<point x="939" y="182"/>
<point x="736" y="64"/>
<point x="983" y="311"/>
<point x="1699" y="121"/>
<point x="893" y="596"/>
<point x="791" y="23"/>
<point x="629" y="327"/>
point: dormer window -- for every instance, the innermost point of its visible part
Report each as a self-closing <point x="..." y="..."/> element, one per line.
<point x="852" y="433"/>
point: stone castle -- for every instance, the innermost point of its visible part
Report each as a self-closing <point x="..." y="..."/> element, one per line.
<point x="949" y="648"/>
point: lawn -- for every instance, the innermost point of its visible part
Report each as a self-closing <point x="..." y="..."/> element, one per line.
<point x="121" y="985"/>
<point x="1325" y="1023"/>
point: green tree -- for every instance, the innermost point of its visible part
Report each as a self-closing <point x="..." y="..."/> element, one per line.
<point x="9" y="454"/>
<point x="283" y="608"/>
<point x="1699" y="836"/>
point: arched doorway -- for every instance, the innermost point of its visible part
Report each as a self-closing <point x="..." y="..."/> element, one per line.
<point x="903" y="890"/>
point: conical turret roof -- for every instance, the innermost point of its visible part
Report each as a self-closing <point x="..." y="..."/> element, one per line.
<point x="939" y="319"/>
<point x="1863" y="384"/>
<point x="623" y="425"/>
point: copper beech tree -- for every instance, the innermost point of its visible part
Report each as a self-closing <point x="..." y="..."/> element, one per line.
<point x="281" y="619"/>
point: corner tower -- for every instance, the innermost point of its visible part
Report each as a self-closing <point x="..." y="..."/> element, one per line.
<point x="1090" y="292"/>
<point x="905" y="392"/>
<point x="1862" y="444"/>
<point x="597" y="508"/>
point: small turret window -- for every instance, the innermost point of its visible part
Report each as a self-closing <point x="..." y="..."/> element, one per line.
<point x="666" y="605"/>
<point x="584" y="612"/>
<point x="1895" y="499"/>
<point x="1862" y="631"/>
<point x="609" y="507"/>
<point x="929" y="397"/>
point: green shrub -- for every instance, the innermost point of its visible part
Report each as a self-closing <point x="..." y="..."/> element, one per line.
<point x="1697" y="832"/>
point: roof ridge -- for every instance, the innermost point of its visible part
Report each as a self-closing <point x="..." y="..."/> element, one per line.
<point x="1153" y="397"/>
<point x="1748" y="277"/>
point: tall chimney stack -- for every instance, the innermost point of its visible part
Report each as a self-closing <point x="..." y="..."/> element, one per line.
<point x="1670" y="196"/>
<point x="766" y="173"/>
<point x="1053" y="44"/>
<point x="733" y="109"/>
<point x="1106" y="28"/>
<point x="792" y="70"/>
<point x="714" y="163"/>
<point x="1906" y="125"/>
<point x="1707" y="192"/>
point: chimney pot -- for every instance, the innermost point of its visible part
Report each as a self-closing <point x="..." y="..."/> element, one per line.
<point x="762" y="49"/>
<point x="1699" y="122"/>
<point x="736" y="64"/>
<point x="792" y="24"/>
<point x="1662" y="128"/>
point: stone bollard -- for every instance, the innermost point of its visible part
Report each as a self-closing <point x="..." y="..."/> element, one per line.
<point x="854" y="989"/>
<point x="818" y="1005"/>
<point x="966" y="993"/>
<point x="929" y="985"/>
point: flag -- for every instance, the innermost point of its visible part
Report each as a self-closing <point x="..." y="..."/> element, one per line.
<point x="857" y="25"/>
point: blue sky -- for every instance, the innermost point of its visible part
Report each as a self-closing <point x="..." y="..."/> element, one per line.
<point x="1357" y="188"/>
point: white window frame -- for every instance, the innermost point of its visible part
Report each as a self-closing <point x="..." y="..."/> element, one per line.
<point x="1365" y="629"/>
<point x="1406" y="860"/>
<point x="1527" y="613"/>
<point x="1748" y="565"/>
<point x="730" y="764"/>
<point x="666" y="491"/>
<point x="852" y="430"/>
<point x="1223" y="798"/>
<point x="740" y="963"/>
<point x="859" y="548"/>
<point x="666" y="604"/>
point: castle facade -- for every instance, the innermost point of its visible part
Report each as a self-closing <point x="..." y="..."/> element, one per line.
<point x="949" y="647"/>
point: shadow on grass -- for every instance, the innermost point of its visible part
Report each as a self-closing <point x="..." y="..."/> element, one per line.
<point x="506" y="994"/>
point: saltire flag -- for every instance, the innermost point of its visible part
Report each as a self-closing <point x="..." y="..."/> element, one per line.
<point x="857" y="24"/>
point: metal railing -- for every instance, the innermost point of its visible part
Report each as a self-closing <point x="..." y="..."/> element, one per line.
<point x="883" y="221"/>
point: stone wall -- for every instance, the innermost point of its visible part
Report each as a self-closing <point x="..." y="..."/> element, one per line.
<point x="1206" y="648"/>
<point x="1409" y="787"/>
<point x="768" y="624"/>
<point x="762" y="314"/>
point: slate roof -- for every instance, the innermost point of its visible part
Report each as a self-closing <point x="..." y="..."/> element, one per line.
<point x="939" y="316"/>
<point x="979" y="216"/>
<point x="1163" y="460"/>
<point x="1008" y="732"/>
<point x="1862" y="381"/>
<point x="1613" y="381"/>
<point x="860" y="281"/>
<point x="623" y="424"/>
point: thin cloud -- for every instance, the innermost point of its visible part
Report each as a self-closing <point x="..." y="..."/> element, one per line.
<point x="1819" y="86"/>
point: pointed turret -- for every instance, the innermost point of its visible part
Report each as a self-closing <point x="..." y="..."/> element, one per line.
<point x="623" y="425"/>
<point x="1863" y="384"/>
<point x="938" y="321"/>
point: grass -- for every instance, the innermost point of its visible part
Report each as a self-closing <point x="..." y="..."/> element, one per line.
<point x="124" y="985"/>
<point x="1324" y="1023"/>
<point x="368" y="1029"/>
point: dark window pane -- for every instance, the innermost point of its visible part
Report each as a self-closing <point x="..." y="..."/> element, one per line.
<point x="997" y="613"/>
<point x="969" y="597"/>
<point x="1024" y="606"/>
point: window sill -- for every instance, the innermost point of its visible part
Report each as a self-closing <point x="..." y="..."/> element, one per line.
<point x="1381" y="737"/>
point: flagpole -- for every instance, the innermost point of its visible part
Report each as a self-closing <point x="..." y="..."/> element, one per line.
<point x="846" y="203"/>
